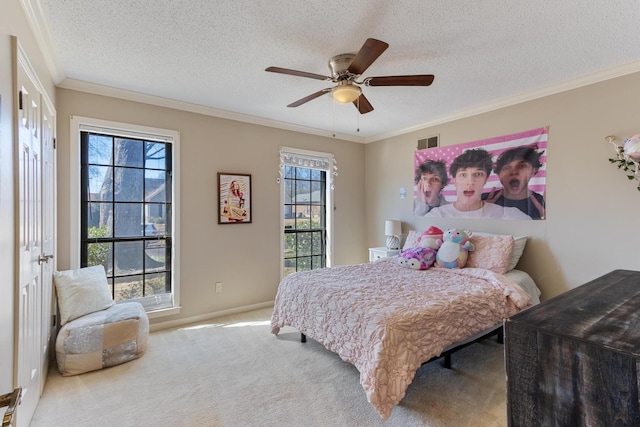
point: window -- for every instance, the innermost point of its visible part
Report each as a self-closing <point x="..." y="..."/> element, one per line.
<point x="306" y="218"/>
<point x="127" y="206"/>
<point x="305" y="213"/>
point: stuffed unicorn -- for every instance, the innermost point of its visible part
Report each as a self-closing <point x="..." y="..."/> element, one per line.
<point x="454" y="251"/>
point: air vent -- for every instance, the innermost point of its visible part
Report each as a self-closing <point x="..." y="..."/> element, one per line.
<point x="430" y="142"/>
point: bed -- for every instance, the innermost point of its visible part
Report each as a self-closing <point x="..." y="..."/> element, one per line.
<point x="387" y="320"/>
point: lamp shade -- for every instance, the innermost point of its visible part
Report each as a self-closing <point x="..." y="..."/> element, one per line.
<point x="392" y="228"/>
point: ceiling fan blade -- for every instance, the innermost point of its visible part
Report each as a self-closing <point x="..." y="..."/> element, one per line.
<point x="309" y="97"/>
<point x="363" y="105"/>
<point x="369" y="52"/>
<point x="297" y="73"/>
<point x="415" y="80"/>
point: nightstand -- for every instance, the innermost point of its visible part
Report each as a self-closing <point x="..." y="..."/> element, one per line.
<point x="381" y="252"/>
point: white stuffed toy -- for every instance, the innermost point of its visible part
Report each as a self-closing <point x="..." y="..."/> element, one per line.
<point x="454" y="251"/>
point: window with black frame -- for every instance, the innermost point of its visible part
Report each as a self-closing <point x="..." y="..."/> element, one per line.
<point x="305" y="219"/>
<point x="126" y="208"/>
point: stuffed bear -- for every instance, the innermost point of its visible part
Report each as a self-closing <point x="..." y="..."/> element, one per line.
<point x="455" y="249"/>
<point x="431" y="238"/>
<point x="417" y="258"/>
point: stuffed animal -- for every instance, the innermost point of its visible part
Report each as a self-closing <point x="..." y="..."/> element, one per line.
<point x="417" y="258"/>
<point x="431" y="238"/>
<point x="454" y="251"/>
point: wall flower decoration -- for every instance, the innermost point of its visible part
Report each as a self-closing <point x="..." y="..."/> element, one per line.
<point x="627" y="157"/>
<point x="632" y="147"/>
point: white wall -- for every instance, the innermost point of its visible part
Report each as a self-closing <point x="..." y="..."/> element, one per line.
<point x="592" y="208"/>
<point x="12" y="23"/>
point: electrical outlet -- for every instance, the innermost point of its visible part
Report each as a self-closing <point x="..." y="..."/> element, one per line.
<point x="218" y="287"/>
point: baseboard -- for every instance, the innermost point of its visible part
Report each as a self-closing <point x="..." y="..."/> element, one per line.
<point x="203" y="317"/>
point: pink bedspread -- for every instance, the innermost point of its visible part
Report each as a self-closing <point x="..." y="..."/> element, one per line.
<point x="387" y="320"/>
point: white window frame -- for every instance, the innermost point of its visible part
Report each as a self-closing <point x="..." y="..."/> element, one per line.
<point x="80" y="124"/>
<point x="311" y="160"/>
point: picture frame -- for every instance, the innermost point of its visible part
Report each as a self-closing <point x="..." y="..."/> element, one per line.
<point x="234" y="198"/>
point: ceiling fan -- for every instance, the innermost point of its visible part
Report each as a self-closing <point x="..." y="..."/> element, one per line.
<point x="346" y="68"/>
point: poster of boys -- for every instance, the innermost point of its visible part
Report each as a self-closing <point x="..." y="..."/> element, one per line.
<point x="495" y="178"/>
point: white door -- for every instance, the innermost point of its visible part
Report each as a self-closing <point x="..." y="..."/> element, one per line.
<point x="35" y="235"/>
<point x="48" y="221"/>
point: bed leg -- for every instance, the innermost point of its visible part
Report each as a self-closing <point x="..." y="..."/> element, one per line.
<point x="303" y="337"/>
<point x="447" y="360"/>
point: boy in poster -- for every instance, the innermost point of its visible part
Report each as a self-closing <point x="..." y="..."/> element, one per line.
<point x="519" y="181"/>
<point x="516" y="167"/>
<point x="430" y="178"/>
<point x="470" y="171"/>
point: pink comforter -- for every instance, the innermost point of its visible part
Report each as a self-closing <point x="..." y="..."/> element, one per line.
<point x="387" y="319"/>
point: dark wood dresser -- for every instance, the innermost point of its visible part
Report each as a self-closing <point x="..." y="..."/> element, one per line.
<point x="573" y="360"/>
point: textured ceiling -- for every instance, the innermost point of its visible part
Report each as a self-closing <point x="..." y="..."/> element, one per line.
<point x="213" y="54"/>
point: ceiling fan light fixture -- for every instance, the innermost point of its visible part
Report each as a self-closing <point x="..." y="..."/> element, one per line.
<point x="346" y="92"/>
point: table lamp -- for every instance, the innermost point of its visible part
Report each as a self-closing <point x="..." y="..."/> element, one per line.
<point x="393" y="230"/>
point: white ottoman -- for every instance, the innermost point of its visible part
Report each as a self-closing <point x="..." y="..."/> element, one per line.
<point x="101" y="339"/>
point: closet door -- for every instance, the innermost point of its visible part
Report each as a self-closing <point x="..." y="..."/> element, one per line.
<point x="48" y="242"/>
<point x="35" y="222"/>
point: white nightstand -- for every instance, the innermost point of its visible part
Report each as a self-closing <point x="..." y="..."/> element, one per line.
<point x="381" y="252"/>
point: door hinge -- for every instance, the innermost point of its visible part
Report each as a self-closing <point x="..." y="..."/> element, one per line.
<point x="19" y="100"/>
<point x="54" y="143"/>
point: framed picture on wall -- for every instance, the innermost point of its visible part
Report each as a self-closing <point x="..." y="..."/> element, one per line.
<point x="234" y="198"/>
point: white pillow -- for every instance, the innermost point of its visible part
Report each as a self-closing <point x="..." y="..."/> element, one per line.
<point x="413" y="240"/>
<point x="519" y="242"/>
<point x="81" y="292"/>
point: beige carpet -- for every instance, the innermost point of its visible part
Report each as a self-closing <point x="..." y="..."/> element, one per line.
<point x="232" y="371"/>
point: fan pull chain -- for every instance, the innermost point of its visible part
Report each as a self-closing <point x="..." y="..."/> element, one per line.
<point x="334" y="117"/>
<point x="358" y="116"/>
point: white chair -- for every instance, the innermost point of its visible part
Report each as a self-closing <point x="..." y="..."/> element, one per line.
<point x="95" y="332"/>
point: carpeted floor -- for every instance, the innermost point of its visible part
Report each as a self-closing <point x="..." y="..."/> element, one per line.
<point x="232" y="372"/>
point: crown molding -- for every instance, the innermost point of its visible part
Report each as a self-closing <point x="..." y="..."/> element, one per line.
<point x="42" y="33"/>
<point x="44" y="39"/>
<point x="585" y="80"/>
<point x="159" y="101"/>
<point x="588" y="79"/>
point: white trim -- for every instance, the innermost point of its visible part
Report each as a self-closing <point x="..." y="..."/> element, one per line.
<point x="163" y="312"/>
<point x="78" y="124"/>
<point x="204" y="317"/>
<point x="331" y="168"/>
<point x="23" y="59"/>
<point x="135" y="132"/>
<point x="585" y="80"/>
<point x="599" y="76"/>
<point x="40" y="28"/>
<point x="39" y="24"/>
<point x="199" y="109"/>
